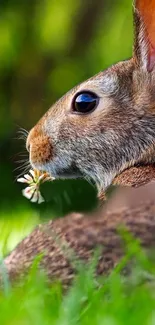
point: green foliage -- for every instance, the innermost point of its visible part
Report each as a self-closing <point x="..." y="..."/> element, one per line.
<point x="114" y="299"/>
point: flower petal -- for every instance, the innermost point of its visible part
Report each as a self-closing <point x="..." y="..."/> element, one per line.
<point x="32" y="173"/>
<point x="40" y="198"/>
<point x="34" y="198"/>
<point x="47" y="178"/>
<point x="28" y="177"/>
<point x="22" y="180"/>
<point x="41" y="177"/>
<point x="34" y="179"/>
<point x="28" y="192"/>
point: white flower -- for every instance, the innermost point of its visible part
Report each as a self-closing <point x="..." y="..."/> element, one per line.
<point x="34" y="180"/>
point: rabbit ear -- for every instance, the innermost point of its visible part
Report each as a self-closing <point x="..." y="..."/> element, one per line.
<point x="144" y="19"/>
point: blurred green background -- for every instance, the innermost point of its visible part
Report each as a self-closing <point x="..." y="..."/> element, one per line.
<point x="46" y="48"/>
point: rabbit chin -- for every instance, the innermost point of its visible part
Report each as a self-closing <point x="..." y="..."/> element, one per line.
<point x="62" y="167"/>
<point x="59" y="172"/>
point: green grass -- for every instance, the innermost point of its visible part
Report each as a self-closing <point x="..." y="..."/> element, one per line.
<point x="15" y="224"/>
<point x="114" y="299"/>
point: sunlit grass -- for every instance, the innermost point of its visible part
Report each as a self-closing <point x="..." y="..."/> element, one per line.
<point x="14" y="226"/>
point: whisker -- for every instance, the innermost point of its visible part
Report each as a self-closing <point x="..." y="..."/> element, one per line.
<point x="25" y="168"/>
<point x="21" y="174"/>
<point x="21" y="154"/>
<point x="22" y="133"/>
<point x="22" y="129"/>
<point x="20" y="161"/>
<point x="22" y="138"/>
<point x="22" y="157"/>
<point x="26" y="163"/>
<point x="19" y="157"/>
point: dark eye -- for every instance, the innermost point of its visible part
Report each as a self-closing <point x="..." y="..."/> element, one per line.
<point x="85" y="102"/>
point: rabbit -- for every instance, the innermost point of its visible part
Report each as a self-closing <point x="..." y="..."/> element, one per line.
<point x="102" y="130"/>
<point x="64" y="241"/>
<point x="105" y="125"/>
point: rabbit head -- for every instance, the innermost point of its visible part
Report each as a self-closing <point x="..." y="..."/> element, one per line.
<point x="106" y="124"/>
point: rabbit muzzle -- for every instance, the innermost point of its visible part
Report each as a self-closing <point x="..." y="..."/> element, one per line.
<point x="43" y="155"/>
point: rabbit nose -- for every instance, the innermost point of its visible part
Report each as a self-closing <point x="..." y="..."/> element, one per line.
<point x="28" y="145"/>
<point x="28" y="140"/>
<point x="39" y="146"/>
<point x="33" y="135"/>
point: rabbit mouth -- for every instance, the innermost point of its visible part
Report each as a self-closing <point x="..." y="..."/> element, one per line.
<point x="59" y="172"/>
<point x="71" y="172"/>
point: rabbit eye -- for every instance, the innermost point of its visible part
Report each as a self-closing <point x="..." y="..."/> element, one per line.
<point x="85" y="102"/>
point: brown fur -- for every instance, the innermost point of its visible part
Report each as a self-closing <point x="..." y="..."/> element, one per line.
<point x="144" y="17"/>
<point x="76" y="236"/>
<point x="136" y="176"/>
<point x="147" y="11"/>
